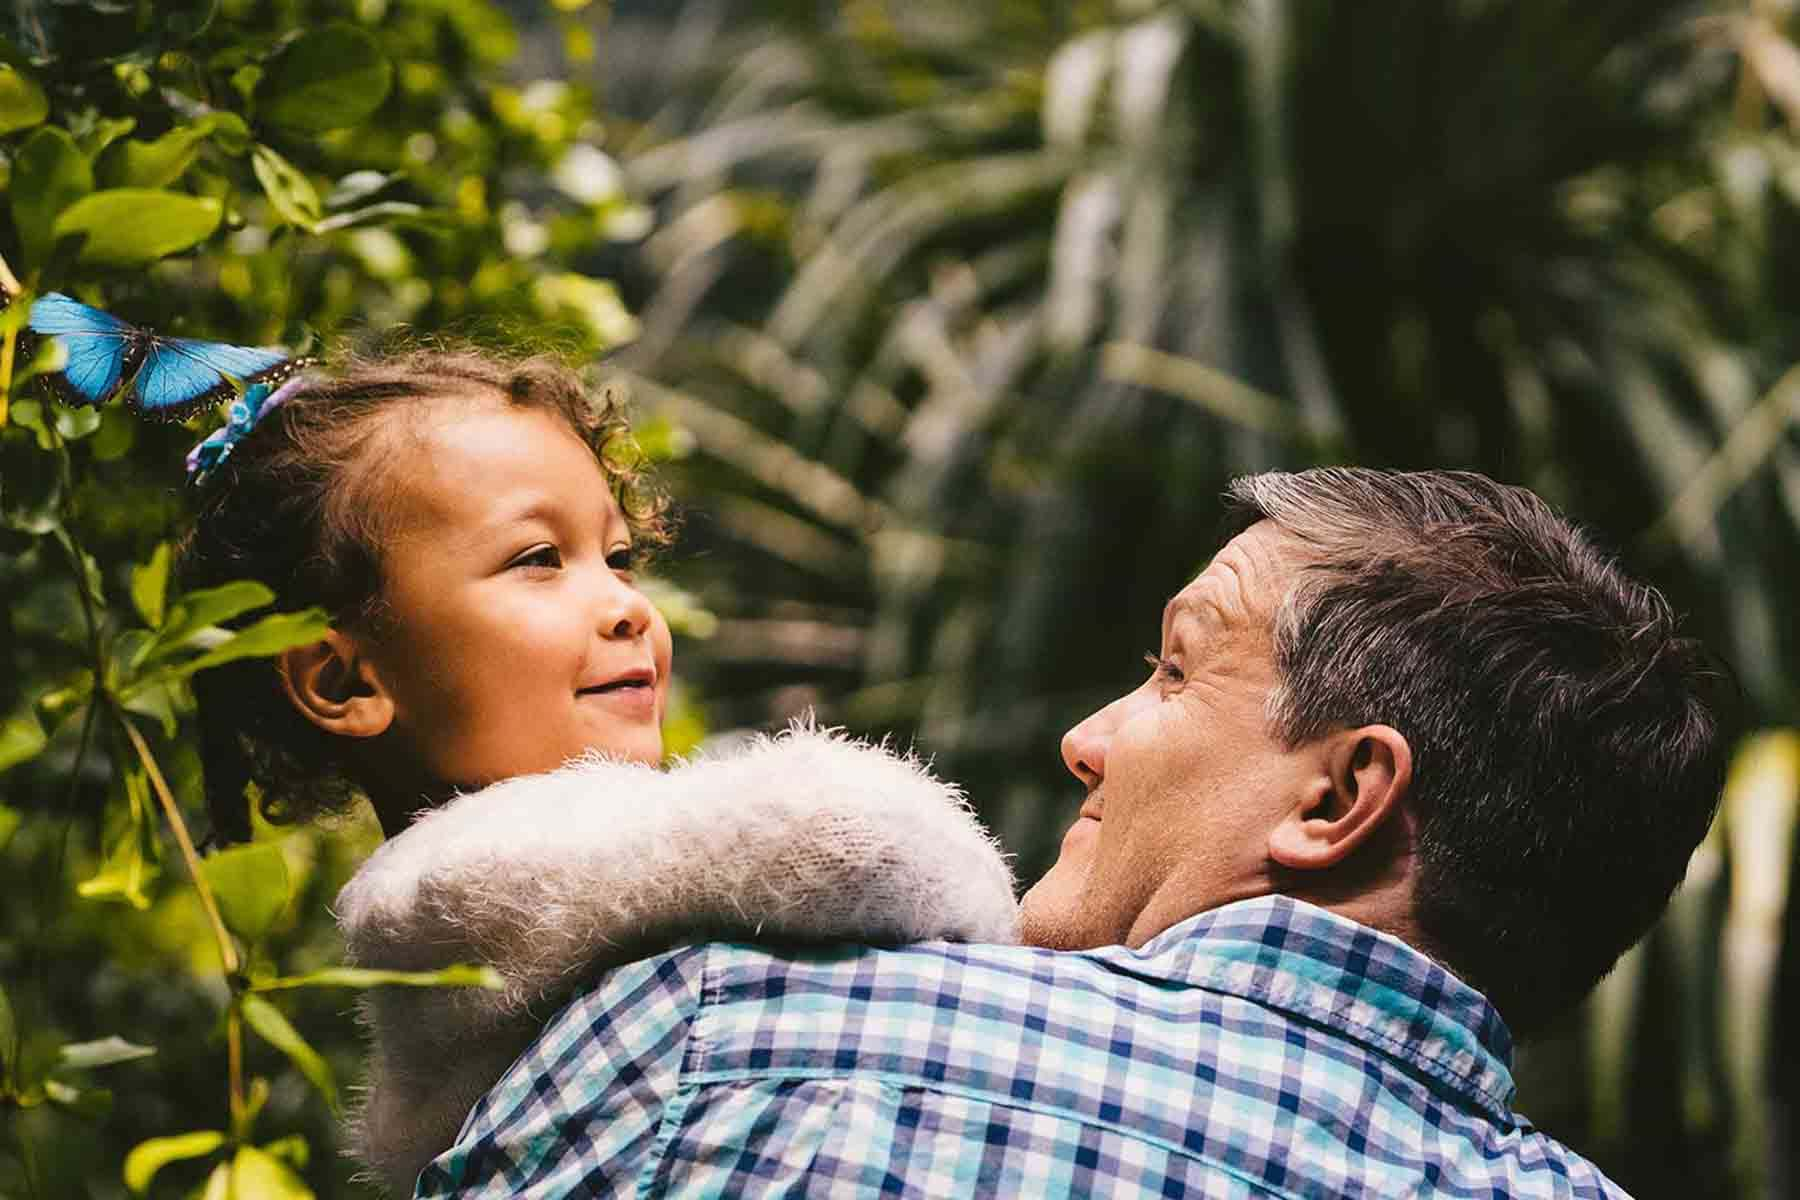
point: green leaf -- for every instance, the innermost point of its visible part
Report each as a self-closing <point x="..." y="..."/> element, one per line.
<point x="218" y="1184"/>
<point x="374" y="214"/>
<point x="10" y="820"/>
<point x="159" y="702"/>
<point x="147" y="1158"/>
<point x="271" y="635"/>
<point x="75" y="423"/>
<point x="290" y="192"/>
<point x="134" y="227"/>
<point x="130" y="864"/>
<point x="91" y="1103"/>
<point x="459" y="975"/>
<point x="21" y="739"/>
<point x="327" y="79"/>
<point x="85" y="1056"/>
<point x="252" y="887"/>
<point x="104" y="133"/>
<point x="199" y="610"/>
<point x="22" y="102"/>
<point x="291" y="1150"/>
<point x="50" y="173"/>
<point x="228" y="131"/>
<point x="358" y="186"/>
<point x="151" y="164"/>
<point x="268" y="1021"/>
<point x="256" y="1175"/>
<point x="150" y="585"/>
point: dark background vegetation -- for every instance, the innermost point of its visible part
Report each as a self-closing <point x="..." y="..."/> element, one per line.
<point x="948" y="322"/>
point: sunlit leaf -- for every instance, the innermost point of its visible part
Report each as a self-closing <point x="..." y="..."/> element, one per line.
<point x="327" y="79"/>
<point x="252" y="887"/>
<point x="290" y="192"/>
<point x="134" y="227"/>
<point x="258" y="1175"/>
<point x="22" y="101"/>
<point x="460" y="975"/>
<point x="130" y="864"/>
<point x="85" y="1056"/>
<point x="75" y="423"/>
<point x="271" y="635"/>
<point x="49" y="174"/>
<point x="291" y="1150"/>
<point x="207" y="607"/>
<point x="150" y="585"/>
<point x="149" y="1157"/>
<point x="275" y="1029"/>
<point x="21" y="738"/>
<point x="152" y="164"/>
<point x="218" y="1184"/>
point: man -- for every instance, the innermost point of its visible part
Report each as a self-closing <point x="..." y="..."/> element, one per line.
<point x="1414" y="765"/>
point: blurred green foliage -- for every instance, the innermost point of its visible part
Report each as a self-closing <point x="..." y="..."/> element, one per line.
<point x="950" y="322"/>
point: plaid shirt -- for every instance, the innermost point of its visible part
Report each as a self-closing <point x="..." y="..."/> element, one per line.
<point x="1267" y="1048"/>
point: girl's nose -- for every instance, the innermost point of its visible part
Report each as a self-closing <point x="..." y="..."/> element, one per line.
<point x="625" y="612"/>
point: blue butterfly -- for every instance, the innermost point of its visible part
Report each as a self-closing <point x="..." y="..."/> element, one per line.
<point x="165" y="377"/>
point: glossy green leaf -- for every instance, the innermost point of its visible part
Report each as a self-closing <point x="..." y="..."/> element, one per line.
<point x="150" y="585"/>
<point x="258" y="1175"/>
<point x="271" y="635"/>
<point x="252" y="887"/>
<point x="103" y="133"/>
<point x="291" y="1150"/>
<point x="328" y="79"/>
<point x="152" y="164"/>
<point x="275" y="1029"/>
<point x="149" y="1157"/>
<point x="290" y="192"/>
<point x="22" y="102"/>
<point x="50" y="173"/>
<point x="218" y="1184"/>
<point x="21" y="739"/>
<point x="134" y="227"/>
<point x="459" y="975"/>
<point x="85" y="1056"/>
<point x="75" y="423"/>
<point x="207" y="607"/>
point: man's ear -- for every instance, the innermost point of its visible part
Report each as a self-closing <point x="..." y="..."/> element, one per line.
<point x="336" y="687"/>
<point x="1368" y="775"/>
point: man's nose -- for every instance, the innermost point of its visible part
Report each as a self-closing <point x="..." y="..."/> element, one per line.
<point x="1084" y="749"/>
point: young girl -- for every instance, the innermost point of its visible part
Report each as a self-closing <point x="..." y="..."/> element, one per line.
<point x="474" y="534"/>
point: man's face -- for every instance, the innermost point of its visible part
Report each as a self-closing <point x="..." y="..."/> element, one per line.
<point x="1184" y="781"/>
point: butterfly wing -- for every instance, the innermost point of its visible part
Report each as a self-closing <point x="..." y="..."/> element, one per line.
<point x="101" y="349"/>
<point x="179" y="374"/>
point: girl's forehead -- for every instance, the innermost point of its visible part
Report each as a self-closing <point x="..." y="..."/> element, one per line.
<point x="474" y="465"/>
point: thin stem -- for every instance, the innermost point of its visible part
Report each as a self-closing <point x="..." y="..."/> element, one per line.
<point x="228" y="955"/>
<point x="234" y="1059"/>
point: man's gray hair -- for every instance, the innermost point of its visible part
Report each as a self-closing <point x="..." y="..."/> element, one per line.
<point x="1567" y="756"/>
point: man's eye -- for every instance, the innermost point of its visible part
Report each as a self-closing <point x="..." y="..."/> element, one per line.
<point x="1166" y="669"/>
<point x="621" y="559"/>
<point x="542" y="556"/>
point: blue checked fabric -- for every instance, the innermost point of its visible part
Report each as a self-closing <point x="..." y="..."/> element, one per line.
<point x="1267" y="1048"/>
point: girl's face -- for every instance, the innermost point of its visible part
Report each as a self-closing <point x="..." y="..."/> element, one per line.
<point x="516" y="636"/>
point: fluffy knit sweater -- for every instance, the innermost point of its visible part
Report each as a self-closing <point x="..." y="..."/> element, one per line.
<point x="551" y="879"/>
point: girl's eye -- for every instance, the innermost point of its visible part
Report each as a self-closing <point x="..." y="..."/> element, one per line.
<point x="620" y="558"/>
<point x="1166" y="669"/>
<point x="548" y="557"/>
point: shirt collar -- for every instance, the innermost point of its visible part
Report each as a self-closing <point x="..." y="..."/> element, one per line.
<point x="1371" y="986"/>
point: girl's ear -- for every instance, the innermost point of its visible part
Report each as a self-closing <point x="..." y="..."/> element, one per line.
<point x="336" y="687"/>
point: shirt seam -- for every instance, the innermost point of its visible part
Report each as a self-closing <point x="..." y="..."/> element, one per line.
<point x="674" y="1109"/>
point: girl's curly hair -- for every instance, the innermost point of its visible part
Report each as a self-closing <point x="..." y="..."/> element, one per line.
<point x="299" y="506"/>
